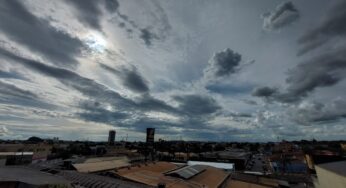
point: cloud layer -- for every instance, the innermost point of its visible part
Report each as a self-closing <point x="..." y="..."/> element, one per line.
<point x="331" y="28"/>
<point x="283" y="15"/>
<point x="130" y="78"/>
<point x="223" y="63"/>
<point x="21" y="26"/>
<point x="76" y="69"/>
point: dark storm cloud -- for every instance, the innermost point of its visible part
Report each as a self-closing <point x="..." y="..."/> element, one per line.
<point x="316" y="112"/>
<point x="223" y="63"/>
<point x="95" y="112"/>
<point x="125" y="116"/>
<point x="11" y="94"/>
<point x="197" y="104"/>
<point x="21" y="26"/>
<point x="264" y="91"/>
<point x="136" y="120"/>
<point x="147" y="36"/>
<point x="190" y="126"/>
<point x="273" y="94"/>
<point x="133" y="80"/>
<point x="11" y="90"/>
<point x="283" y="15"/>
<point x="332" y="26"/>
<point x="167" y="127"/>
<point x="228" y="89"/>
<point x="148" y="103"/>
<point x="194" y="122"/>
<point x="324" y="71"/>
<point x="142" y="123"/>
<point x="130" y="78"/>
<point x="241" y="115"/>
<point x="288" y="132"/>
<point x="111" y="5"/>
<point x="90" y="11"/>
<point x="11" y="75"/>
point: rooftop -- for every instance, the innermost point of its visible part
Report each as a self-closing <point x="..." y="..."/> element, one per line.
<point x="160" y="167"/>
<point x="101" y="159"/>
<point x="101" y="164"/>
<point x="188" y="171"/>
<point x="186" y="177"/>
<point x="243" y="184"/>
<point x="154" y="178"/>
<point x="335" y="167"/>
<point x="30" y="176"/>
<point x="93" y="180"/>
<point x="211" y="177"/>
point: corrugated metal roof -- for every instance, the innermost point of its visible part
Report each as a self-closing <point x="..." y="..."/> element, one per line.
<point x="93" y="180"/>
<point x="211" y="177"/>
<point x="188" y="171"/>
<point x="150" y="178"/>
<point x="101" y="165"/>
<point x="154" y="178"/>
<point x="30" y="176"/>
<point x="160" y="167"/>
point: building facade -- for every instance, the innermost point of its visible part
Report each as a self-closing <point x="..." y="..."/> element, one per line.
<point x="111" y="137"/>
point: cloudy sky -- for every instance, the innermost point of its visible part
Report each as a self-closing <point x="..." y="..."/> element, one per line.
<point x="225" y="70"/>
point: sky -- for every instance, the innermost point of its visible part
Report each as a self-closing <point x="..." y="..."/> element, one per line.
<point x="223" y="70"/>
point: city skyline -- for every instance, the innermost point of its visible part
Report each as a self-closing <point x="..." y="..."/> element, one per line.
<point x="237" y="70"/>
